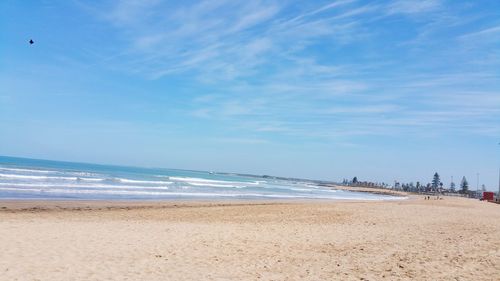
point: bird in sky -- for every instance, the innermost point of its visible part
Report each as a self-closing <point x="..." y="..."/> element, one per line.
<point x="31" y="41"/>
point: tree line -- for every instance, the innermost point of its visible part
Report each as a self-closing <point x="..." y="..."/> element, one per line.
<point x="436" y="185"/>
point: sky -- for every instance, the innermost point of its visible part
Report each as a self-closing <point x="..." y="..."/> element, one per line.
<point x="381" y="90"/>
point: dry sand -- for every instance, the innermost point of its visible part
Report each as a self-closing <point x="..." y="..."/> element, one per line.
<point x="415" y="239"/>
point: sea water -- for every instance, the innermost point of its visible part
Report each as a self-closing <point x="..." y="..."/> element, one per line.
<point x="22" y="178"/>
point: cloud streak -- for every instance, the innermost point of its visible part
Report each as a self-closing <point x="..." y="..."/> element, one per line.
<point x="324" y="69"/>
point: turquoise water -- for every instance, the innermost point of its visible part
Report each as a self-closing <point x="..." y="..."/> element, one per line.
<point x="22" y="178"/>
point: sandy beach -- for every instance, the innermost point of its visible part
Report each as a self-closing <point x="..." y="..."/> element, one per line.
<point x="414" y="239"/>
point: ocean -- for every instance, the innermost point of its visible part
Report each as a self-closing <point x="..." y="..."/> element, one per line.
<point x="22" y="178"/>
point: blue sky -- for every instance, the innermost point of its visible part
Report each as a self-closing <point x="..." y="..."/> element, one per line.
<point x="382" y="90"/>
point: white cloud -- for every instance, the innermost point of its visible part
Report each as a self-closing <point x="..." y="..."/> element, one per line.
<point x="291" y="70"/>
<point x="413" y="7"/>
<point x="324" y="8"/>
<point x="487" y="32"/>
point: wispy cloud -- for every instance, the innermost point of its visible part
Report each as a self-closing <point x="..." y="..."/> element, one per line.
<point x="490" y="31"/>
<point x="321" y="9"/>
<point x="233" y="40"/>
<point x="328" y="69"/>
<point x="414" y="7"/>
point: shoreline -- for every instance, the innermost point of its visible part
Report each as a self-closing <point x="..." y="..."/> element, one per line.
<point x="372" y="190"/>
<point x="92" y="205"/>
<point x="98" y="205"/>
<point x="52" y="204"/>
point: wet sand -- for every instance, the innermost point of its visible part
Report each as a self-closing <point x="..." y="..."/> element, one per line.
<point x="414" y="239"/>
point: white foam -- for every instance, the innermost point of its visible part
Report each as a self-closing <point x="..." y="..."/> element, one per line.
<point x="196" y="194"/>
<point x="216" y="185"/>
<point x="300" y="189"/>
<point x="79" y="174"/>
<point x="92" y="191"/>
<point x="83" y="191"/>
<point x="199" y="181"/>
<point x="77" y="179"/>
<point x="76" y="186"/>
<point x="32" y="177"/>
<point x="187" y="179"/>
<point x="143" y="181"/>
<point x="27" y="170"/>
<point x="90" y="179"/>
<point x="14" y="176"/>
